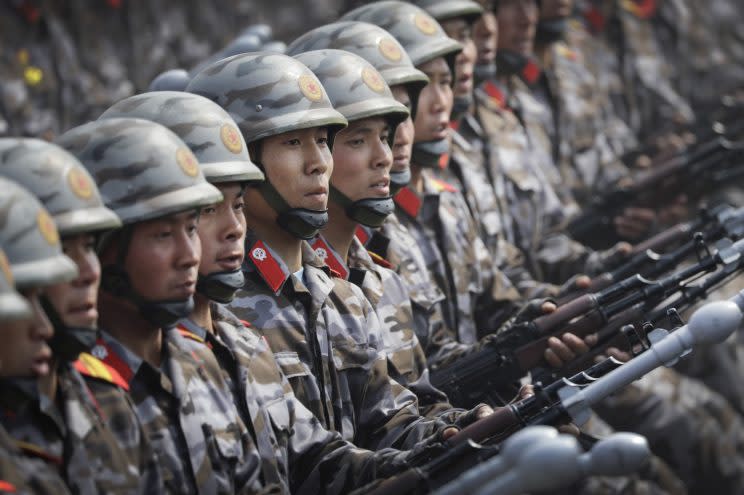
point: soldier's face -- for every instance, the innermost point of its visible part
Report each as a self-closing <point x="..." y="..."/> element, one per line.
<point x="485" y="36"/>
<point x="362" y="159"/>
<point x="555" y="9"/>
<point x="517" y="20"/>
<point x="25" y="352"/>
<point x="222" y="231"/>
<point x="459" y="30"/>
<point x="163" y="257"/>
<point x="434" y="103"/>
<point x="299" y="165"/>
<point x="403" y="143"/>
<point x="76" y="301"/>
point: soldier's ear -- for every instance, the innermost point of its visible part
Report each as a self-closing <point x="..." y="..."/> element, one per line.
<point x="114" y="280"/>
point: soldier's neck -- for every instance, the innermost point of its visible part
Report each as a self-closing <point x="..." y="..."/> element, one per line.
<point x="417" y="180"/>
<point x="48" y="383"/>
<point x="340" y="230"/>
<point x="284" y="244"/>
<point x="202" y="315"/>
<point x="124" y="322"/>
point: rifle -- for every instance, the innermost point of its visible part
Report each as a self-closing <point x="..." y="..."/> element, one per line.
<point x="510" y="354"/>
<point x="693" y="172"/>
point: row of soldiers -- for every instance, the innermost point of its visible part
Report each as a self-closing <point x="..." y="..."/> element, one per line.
<point x="255" y="279"/>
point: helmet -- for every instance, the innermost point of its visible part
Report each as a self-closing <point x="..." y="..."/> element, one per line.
<point x="218" y="145"/>
<point x="274" y="46"/>
<point x="262" y="31"/>
<point x="13" y="306"/>
<point x="144" y="172"/>
<point x="421" y="36"/>
<point x="443" y="10"/>
<point x="245" y="43"/>
<point x="170" y="80"/>
<point x="269" y="94"/>
<point x="358" y="91"/>
<point x="373" y="44"/>
<point x="202" y="124"/>
<point x="31" y="240"/>
<point x="59" y="180"/>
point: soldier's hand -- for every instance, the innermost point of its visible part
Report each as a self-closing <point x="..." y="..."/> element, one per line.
<point x="525" y="392"/>
<point x="483" y="412"/>
<point x="634" y="223"/>
<point x="622" y="356"/>
<point x="449" y="432"/>
<point x="567" y="348"/>
<point x="676" y="212"/>
<point x="548" y="307"/>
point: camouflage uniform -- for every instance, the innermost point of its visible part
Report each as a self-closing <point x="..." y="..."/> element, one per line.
<point x="325" y="337"/>
<point x="26" y="475"/>
<point x="389" y="298"/>
<point x="296" y="452"/>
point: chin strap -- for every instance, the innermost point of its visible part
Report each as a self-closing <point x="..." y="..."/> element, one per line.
<point x="484" y="72"/>
<point x="551" y="30"/>
<point x="428" y="153"/>
<point x="370" y="212"/>
<point x="461" y="106"/>
<point x="300" y="222"/>
<point x="220" y="286"/>
<point x="68" y="342"/>
<point x="399" y="180"/>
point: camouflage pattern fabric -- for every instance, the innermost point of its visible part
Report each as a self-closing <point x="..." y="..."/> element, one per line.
<point x="188" y="414"/>
<point x="25" y="475"/>
<point x="324" y="335"/>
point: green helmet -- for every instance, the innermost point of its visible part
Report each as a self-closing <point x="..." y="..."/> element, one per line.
<point x="143" y="170"/>
<point x="373" y="44"/>
<point x="13" y="306"/>
<point x="358" y="91"/>
<point x="31" y="240"/>
<point x="421" y="36"/>
<point x="269" y="94"/>
<point x="202" y="124"/>
<point x="59" y="180"/>
<point x="443" y="10"/>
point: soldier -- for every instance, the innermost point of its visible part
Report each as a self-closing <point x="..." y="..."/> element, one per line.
<point x="320" y="327"/>
<point x="152" y="181"/>
<point x="127" y="463"/>
<point x="295" y="450"/>
<point x="19" y="474"/>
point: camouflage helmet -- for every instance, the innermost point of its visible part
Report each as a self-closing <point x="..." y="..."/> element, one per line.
<point x="263" y="31"/>
<point x="60" y="181"/>
<point x="274" y="46"/>
<point x="203" y="125"/>
<point x="421" y="36"/>
<point x="443" y="10"/>
<point x="170" y="80"/>
<point x="267" y="94"/>
<point x="13" y="306"/>
<point x="245" y="43"/>
<point x="143" y="170"/>
<point x="373" y="44"/>
<point x="31" y="240"/>
<point x="354" y="86"/>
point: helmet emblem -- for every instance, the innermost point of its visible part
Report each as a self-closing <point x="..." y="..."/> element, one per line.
<point x="79" y="183"/>
<point x="5" y="268"/>
<point x="259" y="254"/>
<point x="231" y="138"/>
<point x="389" y="49"/>
<point x="310" y="87"/>
<point x="425" y="24"/>
<point x="187" y="161"/>
<point x="47" y="228"/>
<point x="373" y="79"/>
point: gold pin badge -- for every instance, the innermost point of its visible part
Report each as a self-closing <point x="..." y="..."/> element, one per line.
<point x="80" y="183"/>
<point x="425" y="24"/>
<point x="187" y="161"/>
<point x="47" y="228"/>
<point x="5" y="268"/>
<point x="373" y="79"/>
<point x="310" y="87"/>
<point x="231" y="138"/>
<point x="390" y="50"/>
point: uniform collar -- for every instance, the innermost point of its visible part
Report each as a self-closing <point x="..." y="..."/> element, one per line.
<point x="266" y="263"/>
<point x="408" y="201"/>
<point x="330" y="257"/>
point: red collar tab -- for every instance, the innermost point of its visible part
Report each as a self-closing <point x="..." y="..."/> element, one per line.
<point x="37" y="451"/>
<point x="30" y="11"/>
<point x="269" y="268"/>
<point x="89" y="365"/>
<point x="7" y="487"/>
<point x="455" y="125"/>
<point x="245" y="323"/>
<point x="379" y="260"/>
<point x="643" y="9"/>
<point x="329" y="257"/>
<point x="595" y="18"/>
<point x="531" y="72"/>
<point x="408" y="201"/>
<point x="186" y="333"/>
<point x="362" y="234"/>
<point x="496" y="95"/>
<point x="114" y="4"/>
<point x="105" y="353"/>
<point x="444" y="161"/>
<point x="440" y="185"/>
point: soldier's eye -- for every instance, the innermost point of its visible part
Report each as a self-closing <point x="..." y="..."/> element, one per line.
<point x="323" y="141"/>
<point x="208" y="210"/>
<point x="293" y="142"/>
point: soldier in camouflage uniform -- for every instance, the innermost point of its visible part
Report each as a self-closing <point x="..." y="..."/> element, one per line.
<point x="18" y="473"/>
<point x="152" y="181"/>
<point x="320" y="327"/>
<point x="295" y="449"/>
<point x="72" y="199"/>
